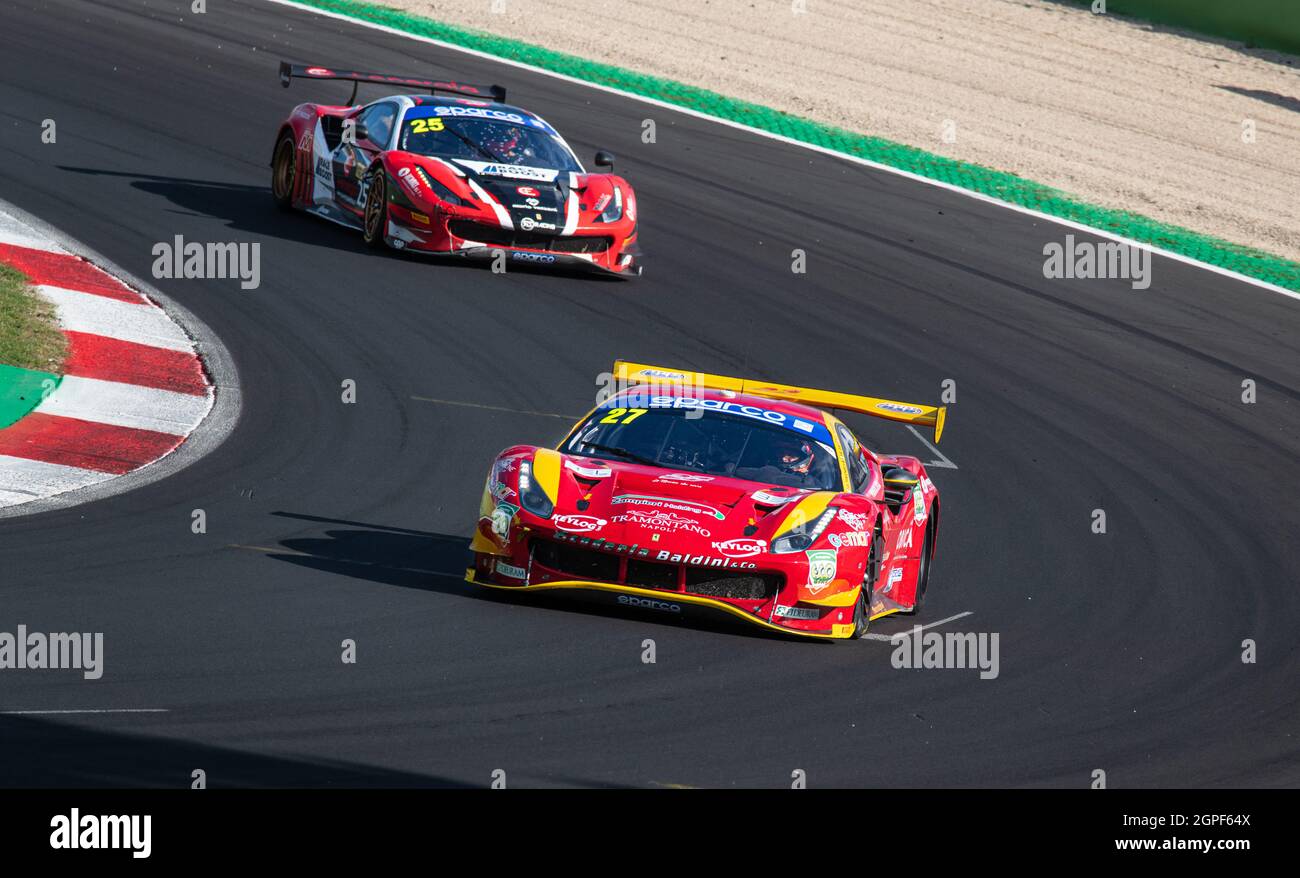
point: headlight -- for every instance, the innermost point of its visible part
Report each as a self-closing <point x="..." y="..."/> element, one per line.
<point x="802" y="535"/>
<point x="613" y="211"/>
<point x="531" y="495"/>
<point x="438" y="189"/>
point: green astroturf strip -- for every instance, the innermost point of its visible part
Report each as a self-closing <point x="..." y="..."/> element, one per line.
<point x="20" y="391"/>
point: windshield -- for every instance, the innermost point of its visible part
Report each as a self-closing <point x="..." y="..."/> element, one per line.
<point x="509" y="141"/>
<point x="711" y="442"/>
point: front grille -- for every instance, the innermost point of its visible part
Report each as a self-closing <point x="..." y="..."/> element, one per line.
<point x="592" y="564"/>
<point x="648" y="574"/>
<point x="750" y="587"/>
<point x="575" y="561"/>
<point x="495" y="236"/>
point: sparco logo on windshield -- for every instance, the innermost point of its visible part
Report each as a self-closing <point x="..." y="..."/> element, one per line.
<point x="481" y="113"/>
<point x="780" y="419"/>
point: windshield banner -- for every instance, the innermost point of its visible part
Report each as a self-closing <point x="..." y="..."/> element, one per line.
<point x="515" y="172"/>
<point x="777" y="419"/>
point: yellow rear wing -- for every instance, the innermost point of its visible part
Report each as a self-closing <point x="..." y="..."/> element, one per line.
<point x="907" y="412"/>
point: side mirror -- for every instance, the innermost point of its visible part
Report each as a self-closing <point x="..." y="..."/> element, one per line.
<point x="604" y="159"/>
<point x="361" y="132"/>
<point x="898" y="478"/>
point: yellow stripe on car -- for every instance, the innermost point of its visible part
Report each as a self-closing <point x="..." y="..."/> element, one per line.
<point x="806" y="511"/>
<point x="838" y="599"/>
<point x="546" y="470"/>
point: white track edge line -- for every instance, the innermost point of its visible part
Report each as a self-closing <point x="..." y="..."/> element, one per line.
<point x="891" y="638"/>
<point x="943" y="460"/>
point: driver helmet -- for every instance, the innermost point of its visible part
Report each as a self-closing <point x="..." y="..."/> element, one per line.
<point x="504" y="141"/>
<point x="796" y="456"/>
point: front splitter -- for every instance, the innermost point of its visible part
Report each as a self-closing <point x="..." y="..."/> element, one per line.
<point x="672" y="602"/>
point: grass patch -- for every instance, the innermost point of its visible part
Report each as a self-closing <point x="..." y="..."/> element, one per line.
<point x="29" y="327"/>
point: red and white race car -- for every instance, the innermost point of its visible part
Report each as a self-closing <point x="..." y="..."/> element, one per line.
<point x="687" y="491"/>
<point x="464" y="175"/>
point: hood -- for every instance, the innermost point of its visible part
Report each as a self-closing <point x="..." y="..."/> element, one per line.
<point x="535" y="199"/>
<point x="678" y="512"/>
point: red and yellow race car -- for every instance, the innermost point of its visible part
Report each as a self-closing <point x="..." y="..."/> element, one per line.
<point x="458" y="175"/>
<point x="686" y="492"/>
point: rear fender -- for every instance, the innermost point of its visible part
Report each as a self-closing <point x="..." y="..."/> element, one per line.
<point x="908" y="539"/>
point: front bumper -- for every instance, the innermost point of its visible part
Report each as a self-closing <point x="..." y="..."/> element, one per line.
<point x="432" y="234"/>
<point x="669" y="602"/>
<point x="545" y="258"/>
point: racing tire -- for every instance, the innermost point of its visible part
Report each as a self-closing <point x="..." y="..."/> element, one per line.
<point x="284" y="173"/>
<point x="927" y="554"/>
<point x="375" y="222"/>
<point x="862" y="609"/>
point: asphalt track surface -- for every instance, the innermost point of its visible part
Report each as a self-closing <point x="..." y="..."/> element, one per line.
<point x="1118" y="652"/>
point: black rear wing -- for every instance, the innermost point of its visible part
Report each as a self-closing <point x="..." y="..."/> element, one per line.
<point x="289" y="72"/>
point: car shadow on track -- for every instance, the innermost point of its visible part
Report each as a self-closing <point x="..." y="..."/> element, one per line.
<point x="244" y="208"/>
<point x="437" y="562"/>
<point x="36" y="752"/>
<point x="428" y="563"/>
<point x="251" y="209"/>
